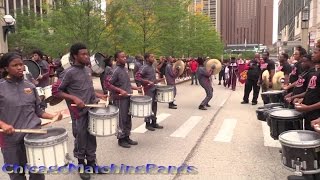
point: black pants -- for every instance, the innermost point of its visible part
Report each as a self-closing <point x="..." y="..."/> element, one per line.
<point x="153" y="117"/>
<point x="85" y="143"/>
<point x="17" y="155"/>
<point x="251" y="84"/>
<point x="194" y="78"/>
<point x="209" y="95"/>
<point x="125" y="122"/>
<point x="222" y="77"/>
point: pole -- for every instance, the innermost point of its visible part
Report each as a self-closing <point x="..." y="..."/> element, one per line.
<point x="3" y="42"/>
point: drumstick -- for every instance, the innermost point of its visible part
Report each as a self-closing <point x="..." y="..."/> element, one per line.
<point x="54" y="119"/>
<point x="165" y="81"/>
<point x="101" y="105"/>
<point x="34" y="131"/>
<point x="142" y="90"/>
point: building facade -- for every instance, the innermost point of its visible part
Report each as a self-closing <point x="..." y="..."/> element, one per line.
<point x="210" y="8"/>
<point x="247" y="22"/>
<point x="291" y="25"/>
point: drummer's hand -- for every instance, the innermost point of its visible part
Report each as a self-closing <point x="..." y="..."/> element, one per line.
<point x="102" y="96"/>
<point x="123" y="93"/>
<point x="39" y="77"/>
<point x="298" y="100"/>
<point x="7" y="129"/>
<point x="78" y="102"/>
<point x="302" y="107"/>
<point x="57" y="117"/>
<point x="150" y="83"/>
<point x="316" y="124"/>
<point x="288" y="99"/>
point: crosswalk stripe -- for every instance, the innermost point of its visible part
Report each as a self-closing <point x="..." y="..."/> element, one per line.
<point x="186" y="127"/>
<point x="226" y="130"/>
<point x="161" y="117"/>
<point x="268" y="141"/>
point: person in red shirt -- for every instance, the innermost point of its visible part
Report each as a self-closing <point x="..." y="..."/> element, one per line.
<point x="193" y="68"/>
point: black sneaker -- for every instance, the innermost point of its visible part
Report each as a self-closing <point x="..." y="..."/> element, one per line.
<point x="157" y="126"/>
<point x="244" y="102"/>
<point x="254" y="103"/>
<point x="130" y="141"/>
<point x="219" y="83"/>
<point x="95" y="167"/>
<point x="202" y="107"/>
<point x="208" y="105"/>
<point x="173" y="107"/>
<point x="123" y="143"/>
<point x="149" y="127"/>
<point x="84" y="176"/>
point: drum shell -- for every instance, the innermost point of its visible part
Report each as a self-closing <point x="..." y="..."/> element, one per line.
<point x="140" y="109"/>
<point x="48" y="93"/>
<point x="97" y="63"/>
<point x="279" y="125"/>
<point x="103" y="125"/>
<point x="51" y="151"/>
<point x="165" y="94"/>
<point x="40" y="91"/>
<point x="267" y="114"/>
<point x="275" y="97"/>
<point x="301" y="147"/>
<point x="131" y="66"/>
<point x="261" y="114"/>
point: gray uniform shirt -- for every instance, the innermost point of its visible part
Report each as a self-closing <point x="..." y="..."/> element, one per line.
<point x="19" y="107"/>
<point x="170" y="74"/>
<point x="119" y="78"/>
<point x="76" y="80"/>
<point x="147" y="72"/>
<point x="203" y="77"/>
<point x="137" y="66"/>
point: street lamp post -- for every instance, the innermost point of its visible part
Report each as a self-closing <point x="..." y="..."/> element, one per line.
<point x="305" y="27"/>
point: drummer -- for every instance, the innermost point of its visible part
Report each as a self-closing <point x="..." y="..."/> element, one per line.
<point x="137" y="64"/>
<point x="43" y="78"/>
<point x="147" y="76"/>
<point x="75" y="86"/>
<point x="118" y="83"/>
<point x="299" y="53"/>
<point x="301" y="84"/>
<point x="311" y="101"/>
<point x="171" y="74"/>
<point x="18" y="109"/>
<point x="204" y="80"/>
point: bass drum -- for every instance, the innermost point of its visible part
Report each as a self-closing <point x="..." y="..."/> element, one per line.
<point x="33" y="68"/>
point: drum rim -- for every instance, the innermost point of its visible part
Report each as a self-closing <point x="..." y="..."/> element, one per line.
<point x="132" y="99"/>
<point x="48" y="141"/>
<point x="292" y="117"/>
<point x="312" y="144"/>
<point x="164" y="88"/>
<point x="303" y="171"/>
<point x="105" y="115"/>
<point x="270" y="92"/>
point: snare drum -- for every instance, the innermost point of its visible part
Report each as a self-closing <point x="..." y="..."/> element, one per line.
<point x="47" y="149"/>
<point x="48" y="93"/>
<point x="301" y="151"/>
<point x="284" y="120"/>
<point x="273" y="96"/>
<point x="165" y="94"/>
<point x="40" y="92"/>
<point x="103" y="121"/>
<point x="140" y="106"/>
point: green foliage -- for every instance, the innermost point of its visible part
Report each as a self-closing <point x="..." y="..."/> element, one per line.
<point x="136" y="26"/>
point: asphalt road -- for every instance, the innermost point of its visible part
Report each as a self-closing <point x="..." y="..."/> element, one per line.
<point x="224" y="142"/>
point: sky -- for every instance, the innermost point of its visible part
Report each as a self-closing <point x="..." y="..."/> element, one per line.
<point x="275" y="21"/>
<point x="275" y="18"/>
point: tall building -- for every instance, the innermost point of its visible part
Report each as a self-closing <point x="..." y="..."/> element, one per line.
<point x="14" y="6"/>
<point x="209" y="8"/>
<point x="246" y="22"/>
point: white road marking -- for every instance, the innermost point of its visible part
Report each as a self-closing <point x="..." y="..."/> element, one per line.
<point x="226" y="131"/>
<point x="186" y="127"/>
<point x="223" y="102"/>
<point x="142" y="129"/>
<point x="268" y="140"/>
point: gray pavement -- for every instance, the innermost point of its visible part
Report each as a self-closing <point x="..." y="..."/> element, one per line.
<point x="188" y="138"/>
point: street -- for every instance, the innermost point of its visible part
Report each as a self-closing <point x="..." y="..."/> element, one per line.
<point x="224" y="142"/>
